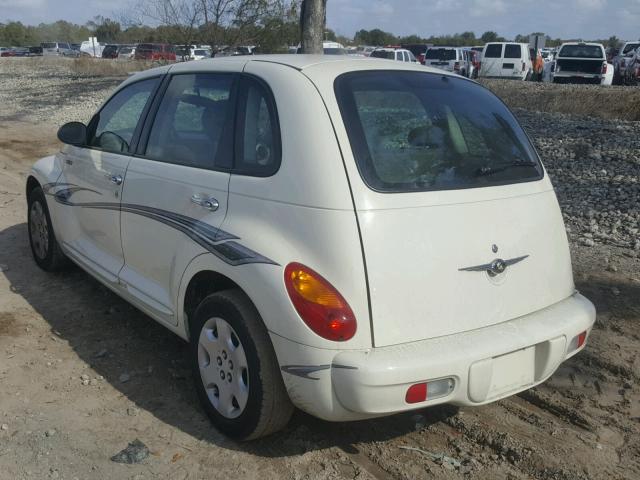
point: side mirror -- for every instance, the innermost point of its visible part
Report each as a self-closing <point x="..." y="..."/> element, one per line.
<point x="73" y="133"/>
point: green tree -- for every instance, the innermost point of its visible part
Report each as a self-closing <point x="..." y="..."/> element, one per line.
<point x="489" y="37"/>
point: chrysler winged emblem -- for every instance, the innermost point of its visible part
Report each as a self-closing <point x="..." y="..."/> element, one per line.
<point x="494" y="268"/>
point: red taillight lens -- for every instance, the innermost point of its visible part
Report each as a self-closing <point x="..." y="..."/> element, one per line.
<point x="581" y="338"/>
<point x="319" y="304"/>
<point x="416" y="393"/>
<point x="604" y="68"/>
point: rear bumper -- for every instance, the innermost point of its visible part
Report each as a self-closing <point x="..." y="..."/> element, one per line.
<point x="578" y="78"/>
<point x="485" y="365"/>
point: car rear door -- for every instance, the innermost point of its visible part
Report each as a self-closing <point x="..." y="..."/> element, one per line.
<point x="87" y="195"/>
<point x="492" y="60"/>
<point x="176" y="191"/>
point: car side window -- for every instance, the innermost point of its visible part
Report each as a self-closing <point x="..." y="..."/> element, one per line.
<point x="191" y="121"/>
<point x="113" y="127"/>
<point x="258" y="147"/>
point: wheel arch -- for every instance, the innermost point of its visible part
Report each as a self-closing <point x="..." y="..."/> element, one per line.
<point x="32" y="182"/>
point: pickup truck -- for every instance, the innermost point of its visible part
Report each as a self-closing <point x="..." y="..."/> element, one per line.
<point x="621" y="59"/>
<point x="582" y="63"/>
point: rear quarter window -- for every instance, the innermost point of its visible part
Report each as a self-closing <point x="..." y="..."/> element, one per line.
<point x="512" y="51"/>
<point x="412" y="131"/>
<point x="493" y="51"/>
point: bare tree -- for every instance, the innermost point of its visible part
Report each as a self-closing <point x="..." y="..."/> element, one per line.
<point x="184" y="16"/>
<point x="313" y="16"/>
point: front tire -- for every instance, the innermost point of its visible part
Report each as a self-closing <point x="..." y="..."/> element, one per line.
<point x="44" y="246"/>
<point x="235" y="369"/>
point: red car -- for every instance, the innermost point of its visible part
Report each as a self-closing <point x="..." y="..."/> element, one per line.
<point x="155" y="51"/>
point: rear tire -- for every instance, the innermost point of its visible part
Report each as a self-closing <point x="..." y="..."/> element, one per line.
<point x="235" y="369"/>
<point x="44" y="246"/>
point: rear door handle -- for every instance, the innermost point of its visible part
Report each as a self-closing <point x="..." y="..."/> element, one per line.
<point x="117" y="179"/>
<point x="209" y="203"/>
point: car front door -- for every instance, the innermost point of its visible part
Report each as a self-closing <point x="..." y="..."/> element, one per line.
<point x="87" y="195"/>
<point x="175" y="197"/>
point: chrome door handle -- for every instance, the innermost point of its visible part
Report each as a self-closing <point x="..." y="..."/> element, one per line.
<point x="117" y="179"/>
<point x="209" y="203"/>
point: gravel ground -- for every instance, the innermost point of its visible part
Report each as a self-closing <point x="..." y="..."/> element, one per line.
<point x="84" y="374"/>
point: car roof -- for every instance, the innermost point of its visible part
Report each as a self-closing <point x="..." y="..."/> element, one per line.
<point x="337" y="63"/>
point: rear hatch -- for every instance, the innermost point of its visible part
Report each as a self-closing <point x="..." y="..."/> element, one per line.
<point x="460" y="227"/>
<point x="442" y="58"/>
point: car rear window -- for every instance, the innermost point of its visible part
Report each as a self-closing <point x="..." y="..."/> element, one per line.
<point x="494" y="50"/>
<point x="335" y="51"/>
<point x="413" y="131"/>
<point x="383" y="54"/>
<point x="512" y="51"/>
<point x="440" y="54"/>
<point x="630" y="46"/>
<point x="581" y="51"/>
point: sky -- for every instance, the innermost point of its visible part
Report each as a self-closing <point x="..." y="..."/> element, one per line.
<point x="588" y="19"/>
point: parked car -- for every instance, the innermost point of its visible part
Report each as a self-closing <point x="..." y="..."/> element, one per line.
<point x="417" y="49"/>
<point x="92" y="49"/>
<point x="110" y="51"/>
<point x="127" y="52"/>
<point x="506" y="60"/>
<point x="155" y="51"/>
<point x="537" y="64"/>
<point x="209" y="195"/>
<point x="329" y="48"/>
<point x="632" y="69"/>
<point x="7" y="52"/>
<point x="35" y="51"/>
<point x="620" y="60"/>
<point x="450" y="59"/>
<point x="62" y="49"/>
<point x="547" y="54"/>
<point x="393" y="53"/>
<point x="200" y="54"/>
<point x="471" y="64"/>
<point x="580" y="62"/>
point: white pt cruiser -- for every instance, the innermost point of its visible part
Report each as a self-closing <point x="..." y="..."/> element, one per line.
<point x="354" y="237"/>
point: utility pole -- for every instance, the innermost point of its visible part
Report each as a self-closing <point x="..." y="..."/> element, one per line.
<point x="313" y="16"/>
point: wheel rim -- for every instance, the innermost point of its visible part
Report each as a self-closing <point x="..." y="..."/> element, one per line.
<point x="223" y="367"/>
<point x="39" y="230"/>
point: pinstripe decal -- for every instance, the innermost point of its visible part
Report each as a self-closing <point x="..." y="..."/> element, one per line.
<point x="208" y="237"/>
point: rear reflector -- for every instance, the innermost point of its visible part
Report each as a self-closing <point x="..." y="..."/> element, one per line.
<point x="416" y="393"/>
<point x="577" y="341"/>
<point x="429" y="390"/>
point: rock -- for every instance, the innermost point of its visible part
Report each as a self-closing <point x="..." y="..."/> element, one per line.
<point x="4" y="427"/>
<point x="133" y="411"/>
<point x="588" y="242"/>
<point x="93" y="382"/>
<point x="84" y="376"/>
<point x="612" y="268"/>
<point x="50" y="433"/>
<point x="135" y="452"/>
<point x="124" y="378"/>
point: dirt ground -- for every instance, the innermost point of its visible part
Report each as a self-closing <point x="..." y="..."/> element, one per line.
<point x="65" y="409"/>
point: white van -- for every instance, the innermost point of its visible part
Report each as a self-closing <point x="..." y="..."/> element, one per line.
<point x="506" y="60"/>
